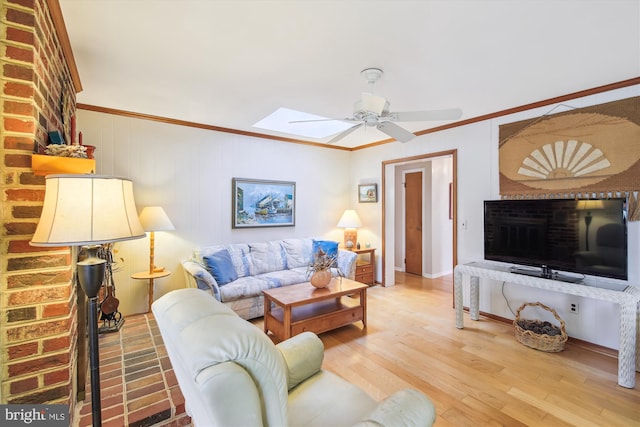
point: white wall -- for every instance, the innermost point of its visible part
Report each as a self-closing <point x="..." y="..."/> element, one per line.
<point x="441" y="226"/>
<point x="189" y="171"/>
<point x="478" y="180"/>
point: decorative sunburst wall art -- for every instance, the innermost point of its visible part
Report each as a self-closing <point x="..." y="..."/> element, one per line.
<point x="582" y="153"/>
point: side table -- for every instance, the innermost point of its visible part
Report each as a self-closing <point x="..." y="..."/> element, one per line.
<point x="145" y="275"/>
<point x="366" y="269"/>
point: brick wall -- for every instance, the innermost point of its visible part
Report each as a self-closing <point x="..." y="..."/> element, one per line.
<point x="38" y="322"/>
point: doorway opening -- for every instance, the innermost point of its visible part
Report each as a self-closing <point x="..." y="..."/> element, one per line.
<point x="438" y="230"/>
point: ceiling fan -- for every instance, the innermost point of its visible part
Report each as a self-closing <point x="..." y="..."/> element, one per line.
<point x="373" y="110"/>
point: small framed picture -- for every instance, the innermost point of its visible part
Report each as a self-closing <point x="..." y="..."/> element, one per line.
<point x="368" y="193"/>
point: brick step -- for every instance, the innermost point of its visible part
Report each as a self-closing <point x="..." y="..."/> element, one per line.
<point x="138" y="386"/>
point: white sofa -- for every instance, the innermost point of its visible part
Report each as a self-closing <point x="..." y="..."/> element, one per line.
<point x="236" y="274"/>
<point x="231" y="374"/>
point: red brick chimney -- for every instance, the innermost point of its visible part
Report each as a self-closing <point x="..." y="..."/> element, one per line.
<point x="38" y="322"/>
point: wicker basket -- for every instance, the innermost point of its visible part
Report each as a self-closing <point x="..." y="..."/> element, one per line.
<point x="526" y="331"/>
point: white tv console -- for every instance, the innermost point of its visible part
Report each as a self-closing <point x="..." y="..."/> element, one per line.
<point x="628" y="300"/>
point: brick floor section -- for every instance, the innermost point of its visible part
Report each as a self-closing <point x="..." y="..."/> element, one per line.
<point x="137" y="384"/>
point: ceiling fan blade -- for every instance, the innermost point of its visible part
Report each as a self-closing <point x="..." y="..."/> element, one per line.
<point x="423" y="116"/>
<point x="395" y="131"/>
<point x="373" y="103"/>
<point x="345" y="133"/>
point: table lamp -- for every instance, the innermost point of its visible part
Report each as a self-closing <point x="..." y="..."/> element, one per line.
<point x="350" y="222"/>
<point x="88" y="210"/>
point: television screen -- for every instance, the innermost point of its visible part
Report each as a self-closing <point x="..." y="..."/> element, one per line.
<point x="580" y="236"/>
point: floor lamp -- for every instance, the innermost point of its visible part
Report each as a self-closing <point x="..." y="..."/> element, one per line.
<point x="153" y="218"/>
<point x="88" y="210"/>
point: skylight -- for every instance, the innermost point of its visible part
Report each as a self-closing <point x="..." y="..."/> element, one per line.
<point x="280" y="119"/>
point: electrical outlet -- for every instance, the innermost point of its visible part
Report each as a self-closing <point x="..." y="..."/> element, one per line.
<point x="574" y="308"/>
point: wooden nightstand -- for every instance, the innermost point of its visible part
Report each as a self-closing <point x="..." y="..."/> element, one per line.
<point x="366" y="269"/>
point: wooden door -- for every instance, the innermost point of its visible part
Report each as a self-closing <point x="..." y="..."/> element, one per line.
<point x="413" y="223"/>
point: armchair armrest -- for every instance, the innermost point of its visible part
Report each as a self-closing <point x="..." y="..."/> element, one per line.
<point x="404" y="408"/>
<point x="303" y="355"/>
<point x="198" y="277"/>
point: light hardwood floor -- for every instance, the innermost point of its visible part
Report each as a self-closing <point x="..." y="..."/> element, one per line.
<point x="478" y="376"/>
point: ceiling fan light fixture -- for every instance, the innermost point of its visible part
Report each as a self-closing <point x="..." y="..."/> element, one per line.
<point x="371" y="75"/>
<point x="370" y="105"/>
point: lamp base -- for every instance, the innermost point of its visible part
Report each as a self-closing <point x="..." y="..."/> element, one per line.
<point x="350" y="238"/>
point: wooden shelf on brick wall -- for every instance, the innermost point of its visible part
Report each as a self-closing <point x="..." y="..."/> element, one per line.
<point x="47" y="165"/>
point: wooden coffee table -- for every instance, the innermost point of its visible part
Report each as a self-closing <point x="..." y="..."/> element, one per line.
<point x="302" y="307"/>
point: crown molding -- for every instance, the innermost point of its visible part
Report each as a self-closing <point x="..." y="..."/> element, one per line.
<point x="538" y="104"/>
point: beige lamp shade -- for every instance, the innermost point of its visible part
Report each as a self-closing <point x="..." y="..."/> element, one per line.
<point x="88" y="209"/>
<point x="350" y="221"/>
<point x="154" y="218"/>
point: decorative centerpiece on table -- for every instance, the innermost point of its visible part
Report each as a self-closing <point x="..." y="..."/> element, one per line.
<point x="320" y="269"/>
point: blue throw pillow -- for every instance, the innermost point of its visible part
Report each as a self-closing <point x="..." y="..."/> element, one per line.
<point x="329" y="247"/>
<point x="221" y="267"/>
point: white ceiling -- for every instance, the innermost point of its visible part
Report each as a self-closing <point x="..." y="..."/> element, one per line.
<point x="231" y="63"/>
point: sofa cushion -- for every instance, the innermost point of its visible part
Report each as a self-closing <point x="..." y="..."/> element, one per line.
<point x="329" y="247"/>
<point x="238" y="252"/>
<point x="298" y="252"/>
<point x="243" y="287"/>
<point x="241" y="258"/>
<point x="265" y="257"/>
<point x="277" y="279"/>
<point x="308" y="402"/>
<point x="221" y="267"/>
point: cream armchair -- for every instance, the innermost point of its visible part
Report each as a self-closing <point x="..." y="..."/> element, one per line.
<point x="231" y="374"/>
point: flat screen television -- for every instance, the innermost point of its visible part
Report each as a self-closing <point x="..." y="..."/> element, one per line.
<point x="588" y="237"/>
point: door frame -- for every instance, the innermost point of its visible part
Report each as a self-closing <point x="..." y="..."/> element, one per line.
<point x="390" y="215"/>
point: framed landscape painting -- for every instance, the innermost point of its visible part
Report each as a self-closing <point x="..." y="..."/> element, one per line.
<point x="262" y="203"/>
<point x="368" y="193"/>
